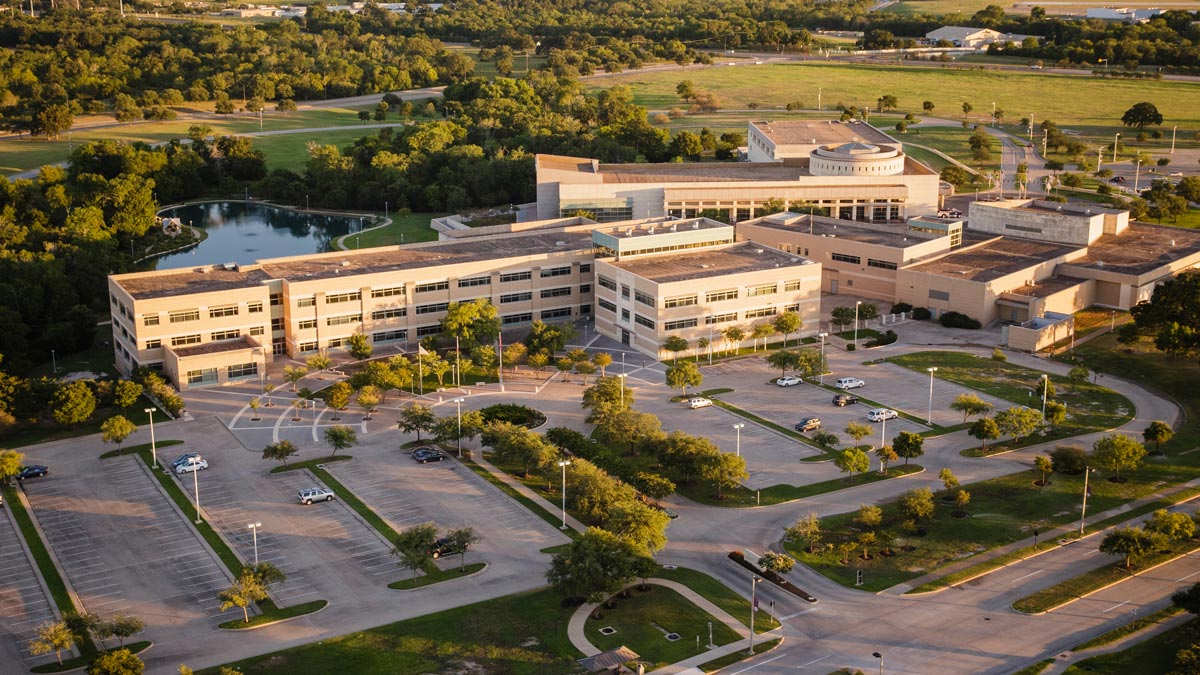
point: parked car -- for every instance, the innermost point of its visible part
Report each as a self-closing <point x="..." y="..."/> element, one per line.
<point x="426" y="454"/>
<point x="808" y="424"/>
<point x="949" y="213"/>
<point x="670" y="514"/>
<point x="881" y="414"/>
<point x="444" y="546"/>
<point x="1117" y="179"/>
<point x="189" y="467"/>
<point x="843" y="400"/>
<point x="315" y="494"/>
<point x="1176" y="174"/>
<point x="849" y="383"/>
<point x="698" y="402"/>
<point x="32" y="471"/>
<point x="789" y="381"/>
<point x="185" y="458"/>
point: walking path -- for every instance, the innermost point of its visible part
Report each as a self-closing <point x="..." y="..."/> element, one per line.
<point x="1064" y="661"/>
<point x="529" y="494"/>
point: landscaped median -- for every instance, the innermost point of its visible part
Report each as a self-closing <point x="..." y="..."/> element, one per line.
<point x="79" y="662"/>
<point x="133" y="449"/>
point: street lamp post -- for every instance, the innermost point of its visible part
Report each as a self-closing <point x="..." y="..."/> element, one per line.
<point x="993" y="113"/>
<point x="458" y="403"/>
<point x="196" y="489"/>
<point x="1083" y="511"/>
<point x="738" y="427"/>
<point x="753" y="608"/>
<point x="1045" y="390"/>
<point x="880" y="657"/>
<point x="1137" y="175"/>
<point x="856" y="304"/>
<point x="153" y="449"/>
<point x="254" y="529"/>
<point x="54" y="361"/>
<point x="564" y="464"/>
<point x="1173" y="130"/>
<point x="1116" y="142"/>
<point x="621" y="383"/>
<point x="821" y="375"/>
<point x="929" y="416"/>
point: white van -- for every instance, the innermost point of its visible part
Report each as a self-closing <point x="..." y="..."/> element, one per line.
<point x="849" y="383"/>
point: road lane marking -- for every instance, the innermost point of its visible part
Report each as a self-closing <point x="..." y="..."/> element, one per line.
<point x="812" y="662"/>
<point x="1188" y="576"/>
<point x="1028" y="575"/>
<point x="775" y="658"/>
<point x="1115" y="606"/>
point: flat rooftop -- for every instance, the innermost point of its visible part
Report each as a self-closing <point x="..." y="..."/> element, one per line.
<point x="213" y="279"/>
<point x="704" y="263"/>
<point x="1047" y="287"/>
<point x="1141" y="248"/>
<point x="664" y="225"/>
<point x="218" y="347"/>
<point x="791" y="169"/>
<point x="817" y="132"/>
<point x="996" y="258"/>
<point x="895" y="237"/>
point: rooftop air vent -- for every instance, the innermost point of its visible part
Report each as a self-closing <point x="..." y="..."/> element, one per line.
<point x="758" y="251"/>
<point x="345" y="263"/>
<point x="696" y="225"/>
<point x="560" y="243"/>
<point x="230" y="266"/>
<point x="1172" y="243"/>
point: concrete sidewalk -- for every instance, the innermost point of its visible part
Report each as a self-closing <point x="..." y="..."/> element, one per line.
<point x="530" y="494"/>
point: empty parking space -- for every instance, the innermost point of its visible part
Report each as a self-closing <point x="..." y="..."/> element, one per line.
<point x="121" y="543"/>
<point x="908" y="390"/>
<point x="23" y="604"/>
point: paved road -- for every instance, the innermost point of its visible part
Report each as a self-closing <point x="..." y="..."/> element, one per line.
<point x="23" y="603"/>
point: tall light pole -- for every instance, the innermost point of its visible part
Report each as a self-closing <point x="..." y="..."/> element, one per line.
<point x="564" y="464"/>
<point x="753" y="608"/>
<point x="880" y="657"/>
<point x="1083" y="511"/>
<point x="821" y="375"/>
<point x="710" y="337"/>
<point x="929" y="416"/>
<point x="883" y="433"/>
<point x="54" y="361"/>
<point x="621" y="383"/>
<point x="254" y="528"/>
<point x="856" y="304"/>
<point x="1045" y="390"/>
<point x="1116" y="142"/>
<point x="993" y="113"/>
<point x="196" y="489"/>
<point x="738" y="427"/>
<point x="153" y="449"/>
<point x="1137" y="175"/>
<point x="458" y="402"/>
<point x="1173" y="130"/>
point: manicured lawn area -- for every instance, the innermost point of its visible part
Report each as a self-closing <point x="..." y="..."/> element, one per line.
<point x="79" y="662"/>
<point x="721" y="596"/>
<point x="1152" y="657"/>
<point x="1092" y="319"/>
<point x="643" y="620"/>
<point x="730" y="659"/>
<point x="414" y="227"/>
<point x="309" y="463"/>
<point x="131" y="449"/>
<point x="702" y="492"/>
<point x="277" y="615"/>
<point x="523" y="634"/>
<point x="954" y="142"/>
<point x="436" y="575"/>
<point x="290" y="151"/>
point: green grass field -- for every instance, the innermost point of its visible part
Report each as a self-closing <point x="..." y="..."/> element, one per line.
<point x="406" y="229"/>
<point x="634" y="619"/>
<point x="290" y="151"/>
<point x="1042" y="95"/>
<point x="1152" y="657"/>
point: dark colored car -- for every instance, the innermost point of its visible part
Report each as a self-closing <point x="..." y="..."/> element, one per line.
<point x="808" y="424"/>
<point x="670" y="514"/>
<point x="35" y="471"/>
<point x="443" y="547"/>
<point x="424" y="455"/>
<point x="1117" y="179"/>
<point x="843" y="400"/>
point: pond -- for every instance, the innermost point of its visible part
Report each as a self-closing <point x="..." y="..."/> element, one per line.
<point x="243" y="232"/>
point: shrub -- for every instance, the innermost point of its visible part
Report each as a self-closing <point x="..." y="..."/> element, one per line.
<point x="922" y="314"/>
<point x="958" y="320"/>
<point x="901" y="308"/>
<point x="885" y="339"/>
<point x="999" y="356"/>
<point x="1068" y="460"/>
<point x="514" y="414"/>
<point x="851" y="347"/>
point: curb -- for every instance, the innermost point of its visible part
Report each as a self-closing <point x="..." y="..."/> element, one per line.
<point x="277" y="621"/>
<point x="461" y="576"/>
<point x="191" y="522"/>
<point x="1097" y="590"/>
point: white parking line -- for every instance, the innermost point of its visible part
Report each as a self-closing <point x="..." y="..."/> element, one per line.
<point x="1116" y="606"/>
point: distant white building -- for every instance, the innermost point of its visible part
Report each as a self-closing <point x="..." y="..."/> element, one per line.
<point x="966" y="36"/>
<point x="1129" y="14"/>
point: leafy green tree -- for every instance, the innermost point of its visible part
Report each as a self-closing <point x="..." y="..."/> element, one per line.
<point x="340" y="437"/>
<point x="1056" y="413"/>
<point x="1078" y="375"/>
<point x="857" y="431"/>
<point x="474" y="322"/>
<point x="843" y="315"/>
<point x="851" y="461"/>
<point x="1043" y="465"/>
<point x="116" y="429"/>
<point x="784" y="360"/>
<point x="786" y="323"/>
<point x="723" y="469"/>
<point x="917" y="504"/>
<point x="1158" y="432"/>
<point x="984" y="429"/>
<point x="1018" y="421"/>
<point x="246" y="590"/>
<point x="280" y="451"/>
<point x="602" y="360"/>
<point x="1130" y="543"/>
<point x="450" y="428"/>
<point x="961" y="499"/>
<point x="652" y="486"/>
<point x="416" y="418"/>
<point x="126" y="393"/>
<point x="1171" y="525"/>
<point x="10" y="465"/>
<point x="825" y="439"/>
<point x="949" y="480"/>
<point x="293" y="375"/>
<point x="318" y="363"/>
<point x="685" y="454"/>
<point x="338" y="396"/>
<point x="368" y="397"/>
<point x="970" y="405"/>
<point x="514" y="354"/>
<point x="359" y="346"/>
<point x="73" y="403"/>
<point x="460" y="540"/>
<point x="779" y="563"/>
<point x="595" y="566"/>
<point x="807" y="529"/>
<point x="122" y="627"/>
<point x="586" y="368"/>
<point x="414" y="547"/>
<point x="609" y="394"/>
<point x="642" y="527"/>
<point x="52" y="636"/>
<point x="1118" y="451"/>
<point x="1188" y="600"/>
<point x="675" y="344"/>
<point x="909" y="445"/>
<point x="1142" y="114"/>
<point x="630" y="428"/>
<point x="116" y="662"/>
<point x="734" y="335"/>
<point x="869" y="516"/>
<point x="684" y="375"/>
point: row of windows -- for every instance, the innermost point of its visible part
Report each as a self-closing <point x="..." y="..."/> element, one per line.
<point x="225" y="310"/>
<point x="387" y="292"/>
<point x="605" y="304"/>
<point x="433" y="329"/>
<point x="718" y="296"/>
<point x="793" y="286"/>
<point x="516" y="276"/>
<point x="181" y="340"/>
<point x="429" y="288"/>
<point x="524" y="296"/>
<point x="353" y="296"/>
<point x="242" y="370"/>
<point x="310" y="301"/>
<point x="760" y="313"/>
<point x="761" y="289"/>
<point x="202" y="376"/>
<point x="184" y="316"/>
<point x="432" y="308"/>
<point x="881" y="264"/>
<point x="225" y="335"/>
<point x="605" y="282"/>
<point x="842" y="257"/>
<point x="645" y="299"/>
<point x="679" y="325"/>
<point x="343" y="320"/>
<point x="720" y="318"/>
<point x="681" y="301"/>
<point x="389" y="336"/>
<point x="389" y="313"/>
<point x="638" y="318"/>
<point x="556" y="292"/>
<point x="512" y="319"/>
<point x="559" y="313"/>
<point x="556" y="271"/>
<point x="307" y="324"/>
<point x="474" y="281"/>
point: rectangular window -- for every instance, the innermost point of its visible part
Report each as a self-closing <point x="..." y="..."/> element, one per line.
<point x="717" y="296"/>
<point x="641" y="320"/>
<point x="625" y="315"/>
<point x="1022" y="228"/>
<point x="761" y="289"/>
<point x="276" y="299"/>
<point x="842" y="257"/>
<point x="277" y="324"/>
<point x="584" y="268"/>
<point x="792" y="308"/>
<point x="604" y="304"/>
<point x="153" y="344"/>
<point x="307" y="324"/>
<point x="310" y="346"/>
<point x="202" y="376"/>
<point x="645" y="298"/>
<point x="254" y="307"/>
<point x="680" y="301"/>
<point x="556" y="272"/>
<point x="224" y="310"/>
<point x="475" y="281"/>
<point x="881" y="264"/>
<point x="720" y="318"/>
<point x="242" y="370"/>
<point x="556" y="292"/>
<point x="760" y="313"/>
<point x="560" y="313"/>
<point x="389" y="313"/>
<point x="585" y="310"/>
<point x="310" y="301"/>
<point x="389" y="336"/>
<point x="353" y="296"/>
<point x="387" y="292"/>
<point x="511" y="319"/>
<point x="257" y="330"/>
<point x="516" y="276"/>
<point x="605" y="282"/>
<point x="431" y="287"/>
<point x="516" y="297"/>
<point x="343" y="320"/>
<point x="185" y="315"/>
<point x="433" y="329"/>
<point x="938" y="295"/>
<point x="794" y="285"/>
<point x="149" y="319"/>
<point x="624" y="291"/>
<point x="585" y="288"/>
<point x="679" y="325"/>
<point x="225" y="335"/>
<point x="181" y="340"/>
<point x="336" y="342"/>
<point x="432" y="308"/>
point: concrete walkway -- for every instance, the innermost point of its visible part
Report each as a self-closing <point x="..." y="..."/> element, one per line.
<point x="578" y="637"/>
<point x="1067" y="659"/>
<point x="530" y="494"/>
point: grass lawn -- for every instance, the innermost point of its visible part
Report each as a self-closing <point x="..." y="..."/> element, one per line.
<point x="863" y="334"/>
<point x="1093" y="319"/>
<point x="290" y="151"/>
<point x="1151" y="657"/>
<point x="523" y="634"/>
<point x="954" y="142"/>
<point x="721" y="596"/>
<point x="277" y="615"/>
<point x="407" y="229"/>
<point x="79" y="662"/>
<point x="436" y="576"/>
<point x="643" y="619"/>
<point x="309" y="463"/>
<point x="1057" y="96"/>
<point x="730" y="659"/>
<point x="1090" y="407"/>
<point x="131" y="449"/>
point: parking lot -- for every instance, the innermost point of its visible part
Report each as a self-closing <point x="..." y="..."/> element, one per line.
<point x="124" y="547"/>
<point x="23" y="604"/>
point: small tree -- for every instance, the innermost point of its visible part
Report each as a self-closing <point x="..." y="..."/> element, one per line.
<point x="254" y="403"/>
<point x="52" y="636"/>
<point x="73" y="403"/>
<point x="825" y="439"/>
<point x="1018" y="421"/>
<point x="684" y="375"/>
<point x="917" y="504"/>
<point x="806" y="529"/>
<point x="1173" y="526"/>
<point x="564" y="366"/>
<point x="970" y="405"/>
<point x="280" y="452"/>
<point x="909" y="445"/>
<point x="886" y="456"/>
<point x="460" y="540"/>
<point x="126" y="393"/>
<point x="1042" y="464"/>
<point x="414" y="547"/>
<point x="416" y="418"/>
<point x="869" y="516"/>
<point x="851" y="461"/>
<point x="857" y="431"/>
<point x="1078" y="375"/>
<point x="246" y="590"/>
<point x="786" y="323"/>
<point x="1056" y="413"/>
<point x="1188" y="600"/>
<point x="961" y="499"/>
<point x="340" y="437"/>
<point x="10" y="465"/>
<point x="1118" y="451"/>
<point x="984" y="429"/>
<point x="675" y="344"/>
<point x="784" y="360"/>
<point x="724" y="469"/>
<point x="776" y="562"/>
<point x="116" y="662"/>
<point x="1158" y="433"/>
<point x="949" y="480"/>
<point x="602" y="360"/>
<point x="1130" y="543"/>
<point x="368" y="398"/>
<point x="318" y="363"/>
<point x="116" y="429"/>
<point x="359" y="346"/>
<point x="338" y="396"/>
<point x="293" y="375"/>
<point x="124" y="626"/>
